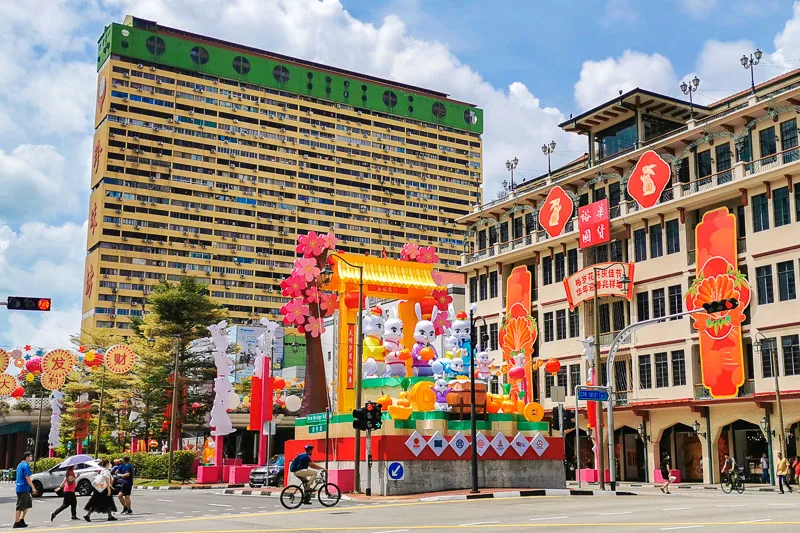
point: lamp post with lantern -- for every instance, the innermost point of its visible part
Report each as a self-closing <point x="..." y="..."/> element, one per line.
<point x="548" y="149"/>
<point x="689" y="88"/>
<point x="758" y="348"/>
<point x="511" y="165"/>
<point x="750" y="63"/>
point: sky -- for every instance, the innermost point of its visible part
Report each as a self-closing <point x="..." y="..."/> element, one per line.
<point x="529" y="65"/>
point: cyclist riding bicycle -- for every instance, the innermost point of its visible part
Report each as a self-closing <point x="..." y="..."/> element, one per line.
<point x="729" y="467"/>
<point x="306" y="470"/>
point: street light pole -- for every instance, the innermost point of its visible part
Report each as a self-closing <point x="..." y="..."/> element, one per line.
<point x="473" y="337"/>
<point x="173" y="415"/>
<point x="100" y="412"/>
<point x="750" y="63"/>
<point x="689" y="88"/>
<point x="774" y="362"/>
<point x="510" y="166"/>
<point x="548" y="149"/>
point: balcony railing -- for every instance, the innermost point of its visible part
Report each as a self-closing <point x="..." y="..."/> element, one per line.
<point x="746" y="390"/>
<point x="771" y="161"/>
<point x="707" y="182"/>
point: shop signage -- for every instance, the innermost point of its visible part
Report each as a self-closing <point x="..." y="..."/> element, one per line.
<point x="556" y="211"/>
<point x="648" y="179"/>
<point x="580" y="286"/>
<point x="594" y="224"/>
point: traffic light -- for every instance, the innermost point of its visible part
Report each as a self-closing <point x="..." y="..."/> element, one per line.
<point x="569" y="420"/>
<point x="374" y="414"/>
<point x="360" y="419"/>
<point x="27" y="303"/>
<point x="721" y="305"/>
<point x="556" y="421"/>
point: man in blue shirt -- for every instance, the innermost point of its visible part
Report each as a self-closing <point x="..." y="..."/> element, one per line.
<point x="306" y="471"/>
<point x="24" y="490"/>
<point x="124" y="474"/>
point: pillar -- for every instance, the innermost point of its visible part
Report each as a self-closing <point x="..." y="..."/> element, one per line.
<point x="219" y="453"/>
<point x="79" y="447"/>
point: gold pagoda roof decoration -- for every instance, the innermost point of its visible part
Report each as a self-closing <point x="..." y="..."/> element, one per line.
<point x="380" y="275"/>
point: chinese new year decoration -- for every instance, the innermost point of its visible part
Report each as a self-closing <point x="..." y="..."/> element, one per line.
<point x="119" y="359"/>
<point x="648" y="179"/>
<point x="718" y="278"/>
<point x="556" y="211"/>
<point x="518" y="332"/>
<point x="594" y="224"/>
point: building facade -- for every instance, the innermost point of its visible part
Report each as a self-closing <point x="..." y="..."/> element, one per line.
<point x="209" y="157"/>
<point x="740" y="153"/>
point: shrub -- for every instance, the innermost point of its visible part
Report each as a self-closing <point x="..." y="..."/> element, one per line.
<point x="46" y="463"/>
<point x="145" y="465"/>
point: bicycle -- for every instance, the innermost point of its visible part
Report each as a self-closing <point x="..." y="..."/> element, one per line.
<point x="328" y="494"/>
<point x="738" y="483"/>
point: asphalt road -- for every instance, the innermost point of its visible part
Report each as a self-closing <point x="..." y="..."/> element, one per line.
<point x="208" y="510"/>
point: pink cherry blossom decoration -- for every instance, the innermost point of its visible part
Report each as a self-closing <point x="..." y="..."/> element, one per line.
<point x="329" y="303"/>
<point x="410" y="251"/>
<point x="293" y="286"/>
<point x="310" y="245"/>
<point x="313" y="294"/>
<point x="441" y="323"/>
<point x="294" y="312"/>
<point x="314" y="327"/>
<point x="442" y="299"/>
<point x="427" y="254"/>
<point x="306" y="268"/>
<point x="329" y="240"/>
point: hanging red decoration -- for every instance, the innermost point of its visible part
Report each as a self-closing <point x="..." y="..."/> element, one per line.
<point x="552" y="366"/>
<point x="18" y="392"/>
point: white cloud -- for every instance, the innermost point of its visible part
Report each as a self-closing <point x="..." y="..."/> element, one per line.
<point x="50" y="330"/>
<point x="602" y="80"/>
<point x="786" y="41"/>
<point x="698" y="9"/>
<point x="619" y="12"/>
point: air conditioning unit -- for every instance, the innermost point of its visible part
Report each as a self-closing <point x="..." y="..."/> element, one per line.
<point x="170" y="120"/>
<point x="114" y="290"/>
<point x="234" y="239"/>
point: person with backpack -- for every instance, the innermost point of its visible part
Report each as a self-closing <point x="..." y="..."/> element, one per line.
<point x="101" y="501"/>
<point x="306" y="470"/>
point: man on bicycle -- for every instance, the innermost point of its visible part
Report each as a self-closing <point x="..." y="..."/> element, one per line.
<point x="306" y="470"/>
<point x="729" y="467"/>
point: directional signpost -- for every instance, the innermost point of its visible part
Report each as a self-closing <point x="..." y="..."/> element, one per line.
<point x="589" y="394"/>
<point x="316" y="423"/>
<point x="593" y="394"/>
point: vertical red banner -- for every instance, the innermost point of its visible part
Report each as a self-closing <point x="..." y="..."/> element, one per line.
<point x="594" y="224"/>
<point x="255" y="403"/>
<point x="351" y="355"/>
<point x="267" y="394"/>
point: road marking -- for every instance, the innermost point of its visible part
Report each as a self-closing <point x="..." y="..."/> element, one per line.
<point x="549" y="518"/>
<point x="392" y="531"/>
<point x="759" y="520"/>
<point x="679" y="527"/>
<point x="732" y="505"/>
<point x="219" y="505"/>
<point x="614" y="514"/>
<point x="168" y="501"/>
<point x="676" y="508"/>
<point x="479" y="523"/>
<point x="781" y="504"/>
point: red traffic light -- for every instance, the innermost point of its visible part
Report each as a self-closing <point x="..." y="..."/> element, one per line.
<point x="369" y="406"/>
<point x="44" y="304"/>
<point x="28" y="303"/>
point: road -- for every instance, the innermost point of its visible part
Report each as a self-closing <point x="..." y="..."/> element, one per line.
<point x="209" y="510"/>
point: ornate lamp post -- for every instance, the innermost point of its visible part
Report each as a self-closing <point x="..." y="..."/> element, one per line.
<point x="510" y="166"/>
<point x="548" y="149"/>
<point x="689" y="88"/>
<point x="750" y="63"/>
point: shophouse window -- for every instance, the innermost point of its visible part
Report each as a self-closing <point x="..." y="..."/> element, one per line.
<point x="562" y="378"/>
<point x="482" y="239"/>
<point x="548" y="327"/>
<point x="599" y="194"/>
<point x="601" y="254"/>
<point x="787" y="289"/>
<point x="678" y="368"/>
<point x="766" y="139"/>
<point x="492" y="235"/>
<point x="645" y="372"/>
<point x="482" y="288"/>
<point x="559" y="264"/>
<point x="574" y="323"/>
<point x="662" y="370"/>
<point x="616" y="251"/>
<point x="746" y="153"/>
<point x="530" y="223"/>
<point x="618" y="315"/>
<point x="683" y="173"/>
<point x="504" y="232"/>
<point x="605" y="318"/>
<point x="640" y="245"/>
<point x="766" y="294"/>
<point x="548" y="385"/>
<point x="572" y="261"/>
<point x="493" y="338"/>
<point x="768" y="352"/>
<point x="473" y="290"/>
<point x="703" y="164"/>
<point x="789" y="140"/>
<point x="561" y="324"/>
<point x="613" y="194"/>
<point x="673" y="236"/>
<point x="518" y="227"/>
<point x="617" y="138"/>
<point x="642" y="306"/>
<point x="574" y="378"/>
<point x="675" y="300"/>
<point x="493" y="284"/>
<point x="760" y="212"/>
<point x="791" y="355"/>
<point x="723" y="156"/>
<point x="547" y="270"/>
<point x="659" y="303"/>
<point x="780" y="207"/>
<point x="656" y="242"/>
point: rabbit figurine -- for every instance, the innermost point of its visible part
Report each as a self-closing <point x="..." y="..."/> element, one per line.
<point x="372" y="326"/>
<point x="423" y="353"/>
<point x="461" y="330"/>
<point x="396" y="353"/>
<point x="440" y="390"/>
<point x="482" y="363"/>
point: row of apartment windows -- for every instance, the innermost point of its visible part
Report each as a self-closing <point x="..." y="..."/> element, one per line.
<point x="557" y="329"/>
<point x="657" y="244"/>
<point x="765" y="285"/>
<point x="781" y="209"/>
<point x="790" y="350"/>
<point x="662" y="370"/>
<point x="672" y="296"/>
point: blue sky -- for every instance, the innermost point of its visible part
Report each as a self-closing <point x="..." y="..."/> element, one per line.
<point x="529" y="64"/>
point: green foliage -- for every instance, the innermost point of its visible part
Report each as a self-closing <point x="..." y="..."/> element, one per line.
<point x="46" y="463"/>
<point x="145" y="465"/>
<point x="23" y="405"/>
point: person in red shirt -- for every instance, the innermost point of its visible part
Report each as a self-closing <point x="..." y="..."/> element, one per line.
<point x="68" y="487"/>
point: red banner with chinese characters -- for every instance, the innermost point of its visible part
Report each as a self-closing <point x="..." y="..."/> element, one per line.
<point x="594" y="224"/>
<point x="649" y="179"/>
<point x="556" y="211"/>
<point x="580" y="286"/>
<point x="351" y="355"/>
<point x="718" y="278"/>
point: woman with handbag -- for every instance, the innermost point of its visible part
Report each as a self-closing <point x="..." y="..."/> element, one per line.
<point x="101" y="500"/>
<point x="67" y="490"/>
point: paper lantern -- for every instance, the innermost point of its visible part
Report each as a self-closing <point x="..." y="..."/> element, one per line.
<point x="18" y="392"/>
<point x="552" y="366"/>
<point x="279" y="383"/>
<point x="34" y="364"/>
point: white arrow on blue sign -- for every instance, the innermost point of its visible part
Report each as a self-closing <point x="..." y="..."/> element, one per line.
<point x="397" y="471"/>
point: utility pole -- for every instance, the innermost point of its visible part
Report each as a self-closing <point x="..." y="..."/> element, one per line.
<point x="174" y="415"/>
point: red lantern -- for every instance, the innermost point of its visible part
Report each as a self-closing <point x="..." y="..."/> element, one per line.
<point x="18" y="392"/>
<point x="351" y="301"/>
<point x="552" y="366"/>
<point x="516" y="372"/>
<point x="34" y="364"/>
<point x="196" y="405"/>
<point x="279" y="383"/>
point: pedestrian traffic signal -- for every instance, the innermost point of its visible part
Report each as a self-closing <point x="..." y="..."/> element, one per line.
<point x="569" y="420"/>
<point x="721" y="305"/>
<point x="373" y="416"/>
<point x="27" y="303"/>
<point x="360" y="419"/>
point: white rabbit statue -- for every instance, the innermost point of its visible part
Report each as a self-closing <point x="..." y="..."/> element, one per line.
<point x="424" y="335"/>
<point x="396" y="353"/>
<point x="372" y="327"/>
<point x="220" y="340"/>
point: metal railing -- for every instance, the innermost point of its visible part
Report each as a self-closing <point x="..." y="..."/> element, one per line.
<point x="771" y="161"/>
<point x="707" y="182"/>
<point x="746" y="390"/>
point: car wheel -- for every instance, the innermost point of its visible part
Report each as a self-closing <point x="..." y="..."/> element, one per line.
<point x="84" y="487"/>
<point x="39" y="488"/>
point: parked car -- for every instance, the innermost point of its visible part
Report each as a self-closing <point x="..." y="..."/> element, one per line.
<point x="50" y="480"/>
<point x="269" y="475"/>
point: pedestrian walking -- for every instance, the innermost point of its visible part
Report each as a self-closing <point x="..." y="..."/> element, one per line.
<point x="67" y="488"/>
<point x="797" y="470"/>
<point x="764" y="468"/>
<point x="25" y="489"/>
<point x="125" y="477"/>
<point x="782" y="471"/>
<point x="101" y="500"/>
<point x="665" y="475"/>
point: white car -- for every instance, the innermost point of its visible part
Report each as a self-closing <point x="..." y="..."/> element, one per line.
<point x="50" y="480"/>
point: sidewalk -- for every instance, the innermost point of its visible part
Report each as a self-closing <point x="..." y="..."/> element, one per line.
<point x="640" y="486"/>
<point x="191" y="486"/>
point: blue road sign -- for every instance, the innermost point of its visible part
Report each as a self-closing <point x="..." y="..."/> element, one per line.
<point x="396" y="471"/>
<point x="596" y="395"/>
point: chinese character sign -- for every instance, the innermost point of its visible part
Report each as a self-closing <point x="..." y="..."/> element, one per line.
<point x="555" y="211"/>
<point x="718" y="278"/>
<point x="648" y="179"/>
<point x="581" y="285"/>
<point x="119" y="359"/>
<point x="53" y="381"/>
<point x="7" y="385"/>
<point x="594" y="224"/>
<point x="57" y="363"/>
<point x="351" y="355"/>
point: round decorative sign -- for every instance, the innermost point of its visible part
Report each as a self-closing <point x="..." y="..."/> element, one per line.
<point x="57" y="363"/>
<point x="53" y="382"/>
<point x="7" y="384"/>
<point x="119" y="359"/>
<point x="4" y="360"/>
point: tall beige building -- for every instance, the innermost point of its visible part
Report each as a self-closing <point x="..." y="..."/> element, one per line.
<point x="209" y="157"/>
<point x="740" y="153"/>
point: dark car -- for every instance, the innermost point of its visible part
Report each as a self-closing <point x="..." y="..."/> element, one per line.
<point x="270" y="475"/>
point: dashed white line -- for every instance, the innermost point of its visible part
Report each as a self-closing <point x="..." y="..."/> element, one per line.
<point x="479" y="523"/>
<point x="678" y="527"/>
<point x="547" y="518"/>
<point x="753" y="521"/>
<point x="614" y="514"/>
<point x="781" y="504"/>
<point x="219" y="505"/>
<point x="732" y="505"/>
<point x="676" y="508"/>
<point x="168" y="501"/>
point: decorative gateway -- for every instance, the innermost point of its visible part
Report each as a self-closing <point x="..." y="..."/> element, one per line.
<point x="718" y="278"/>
